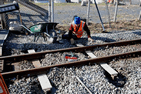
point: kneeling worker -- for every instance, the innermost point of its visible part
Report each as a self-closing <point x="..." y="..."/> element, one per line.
<point x="76" y="30"/>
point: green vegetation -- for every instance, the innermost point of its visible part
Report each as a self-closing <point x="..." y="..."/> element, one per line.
<point x="118" y="16"/>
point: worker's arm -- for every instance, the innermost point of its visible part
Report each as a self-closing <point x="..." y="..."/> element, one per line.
<point x="71" y="31"/>
<point x="70" y="34"/>
<point x="88" y="32"/>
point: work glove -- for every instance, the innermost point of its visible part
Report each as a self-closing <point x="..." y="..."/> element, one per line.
<point x="90" y="39"/>
<point x="72" y="41"/>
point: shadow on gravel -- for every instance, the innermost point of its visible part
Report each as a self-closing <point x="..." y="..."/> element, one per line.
<point x="104" y="39"/>
<point x="118" y="81"/>
<point x="138" y="33"/>
<point x="83" y="41"/>
<point x="115" y="32"/>
<point x="54" y="88"/>
<point x="30" y="18"/>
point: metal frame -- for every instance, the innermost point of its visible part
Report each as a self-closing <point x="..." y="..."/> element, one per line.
<point x="4" y="15"/>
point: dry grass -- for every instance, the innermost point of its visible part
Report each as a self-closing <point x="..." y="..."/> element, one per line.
<point x="115" y="26"/>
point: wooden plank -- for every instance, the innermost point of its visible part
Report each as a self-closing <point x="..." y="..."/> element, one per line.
<point x="36" y="63"/>
<point x="90" y="54"/>
<point x="3" y="36"/>
<point x="105" y="66"/>
<point x="43" y="79"/>
<point x="16" y="66"/>
<point x="108" y="69"/>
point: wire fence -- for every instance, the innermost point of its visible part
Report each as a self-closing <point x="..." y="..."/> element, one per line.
<point x="31" y="17"/>
<point x="133" y="2"/>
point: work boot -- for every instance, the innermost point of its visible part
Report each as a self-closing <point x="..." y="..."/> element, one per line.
<point x="72" y="41"/>
<point x="90" y="39"/>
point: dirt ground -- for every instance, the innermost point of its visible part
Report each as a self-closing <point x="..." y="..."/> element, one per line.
<point x="115" y="26"/>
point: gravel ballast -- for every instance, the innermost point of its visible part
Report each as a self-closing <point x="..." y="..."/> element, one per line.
<point x="94" y="77"/>
<point x="64" y="80"/>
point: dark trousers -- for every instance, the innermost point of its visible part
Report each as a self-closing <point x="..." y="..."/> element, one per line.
<point x="66" y="36"/>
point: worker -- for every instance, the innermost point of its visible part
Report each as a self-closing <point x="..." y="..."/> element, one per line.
<point x="76" y="30"/>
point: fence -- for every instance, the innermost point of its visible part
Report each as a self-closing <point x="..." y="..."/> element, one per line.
<point x="132" y="2"/>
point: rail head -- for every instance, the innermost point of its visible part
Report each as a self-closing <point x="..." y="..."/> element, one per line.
<point x="38" y="55"/>
<point x="70" y="64"/>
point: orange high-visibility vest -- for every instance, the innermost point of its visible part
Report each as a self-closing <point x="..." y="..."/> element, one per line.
<point x="80" y="30"/>
<point x="110" y="1"/>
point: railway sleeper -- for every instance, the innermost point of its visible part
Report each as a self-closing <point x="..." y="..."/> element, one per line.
<point x="105" y="66"/>
<point x="43" y="79"/>
<point x="83" y="62"/>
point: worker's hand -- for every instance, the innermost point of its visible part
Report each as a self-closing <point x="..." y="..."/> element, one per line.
<point x="74" y="33"/>
<point x="90" y="39"/>
<point x="72" y="41"/>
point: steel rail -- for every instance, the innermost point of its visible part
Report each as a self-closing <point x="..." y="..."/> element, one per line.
<point x="77" y="63"/>
<point x="38" y="55"/>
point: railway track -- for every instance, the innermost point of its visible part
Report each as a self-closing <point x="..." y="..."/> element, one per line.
<point x="39" y="55"/>
<point x="83" y="62"/>
<point x="65" y="67"/>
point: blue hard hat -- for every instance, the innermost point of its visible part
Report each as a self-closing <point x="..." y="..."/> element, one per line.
<point x="77" y="20"/>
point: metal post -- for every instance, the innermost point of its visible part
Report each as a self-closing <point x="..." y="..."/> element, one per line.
<point x="52" y="10"/>
<point x="114" y="2"/>
<point x="88" y="11"/>
<point x="130" y="2"/>
<point x="4" y="19"/>
<point x="99" y="15"/>
<point x="1" y="2"/>
<point x="49" y="10"/>
<point x="20" y="17"/>
<point x="19" y="13"/>
<point x="108" y="13"/>
<point x="139" y="16"/>
<point x="116" y="9"/>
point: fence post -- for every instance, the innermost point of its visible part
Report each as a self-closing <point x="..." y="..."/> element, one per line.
<point x="116" y="9"/>
<point x="130" y="2"/>
<point x="139" y="16"/>
<point x="52" y="10"/>
<point x="49" y="10"/>
<point x="99" y="15"/>
<point x="88" y="11"/>
<point x="108" y="13"/>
